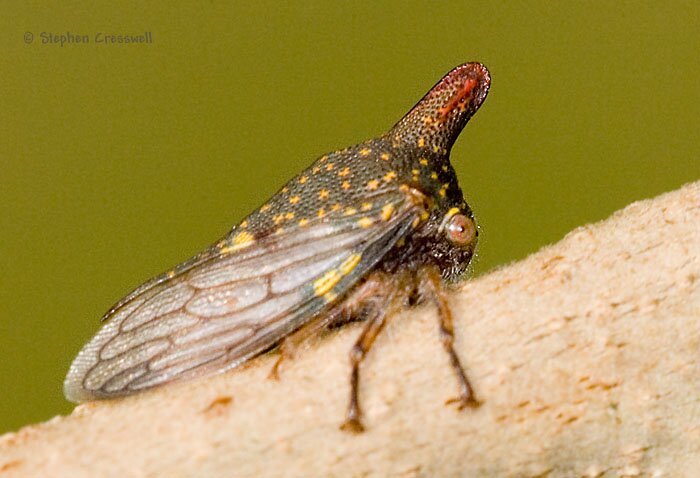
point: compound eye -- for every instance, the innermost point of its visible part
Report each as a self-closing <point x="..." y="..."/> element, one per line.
<point x="460" y="230"/>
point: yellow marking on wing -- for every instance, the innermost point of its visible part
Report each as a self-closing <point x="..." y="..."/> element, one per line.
<point x="423" y="161"/>
<point x="385" y="156"/>
<point x="285" y="189"/>
<point x="424" y="215"/>
<point x="240" y="241"/>
<point x="303" y="222"/>
<point x="323" y="194"/>
<point x="365" y="222"/>
<point x="401" y="242"/>
<point x="415" y="172"/>
<point x="303" y="179"/>
<point x="436" y="149"/>
<point x="433" y="175"/>
<point x="350" y="263"/>
<point x="278" y="218"/>
<point x="335" y="207"/>
<point x="444" y="168"/>
<point x="315" y="170"/>
<point x="289" y="215"/>
<point x="279" y="231"/>
<point x="388" y="177"/>
<point x="350" y="211"/>
<point x="366" y="206"/>
<point x="294" y="199"/>
<point x="265" y="207"/>
<point x="387" y="211"/>
<point x="404" y="188"/>
<point x="344" y="172"/>
<point x="365" y="152"/>
<point x="345" y="185"/>
<point x="421" y="142"/>
<point x="452" y="211"/>
<point x="321" y="212"/>
<point x="330" y="296"/>
<point x="427" y="119"/>
<point x="372" y="184"/>
<point x="326" y="282"/>
<point x="329" y="167"/>
<point x="415" y="223"/>
<point x="323" y="158"/>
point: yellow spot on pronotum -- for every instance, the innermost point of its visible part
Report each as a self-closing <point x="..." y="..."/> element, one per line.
<point x="365" y="222"/>
<point x="366" y="206"/>
<point x="303" y="222"/>
<point x="350" y="211"/>
<point x="344" y="172"/>
<point x="329" y="167"/>
<point x="372" y="184"/>
<point x="323" y="194"/>
<point x="289" y="215"/>
<point x="388" y="177"/>
<point x="433" y="175"/>
<point x="321" y="212"/>
<point x="421" y="142"/>
<point x="345" y="185"/>
<point x="303" y="179"/>
<point x="365" y="152"/>
<point x="385" y="156"/>
<point x="387" y="211"/>
<point x="350" y="263"/>
<point x="423" y="161"/>
<point x="294" y="199"/>
<point x="326" y="282"/>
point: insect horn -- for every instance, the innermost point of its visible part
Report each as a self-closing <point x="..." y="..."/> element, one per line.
<point x="438" y="118"/>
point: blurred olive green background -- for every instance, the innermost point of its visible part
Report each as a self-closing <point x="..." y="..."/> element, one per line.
<point x="120" y="161"/>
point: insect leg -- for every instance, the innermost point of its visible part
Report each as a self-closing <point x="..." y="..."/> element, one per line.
<point x="346" y="311"/>
<point x="378" y="308"/>
<point x="431" y="283"/>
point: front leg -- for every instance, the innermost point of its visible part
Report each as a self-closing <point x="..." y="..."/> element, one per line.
<point x="431" y="286"/>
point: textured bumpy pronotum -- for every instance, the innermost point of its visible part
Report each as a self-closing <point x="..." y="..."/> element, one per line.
<point x="361" y="233"/>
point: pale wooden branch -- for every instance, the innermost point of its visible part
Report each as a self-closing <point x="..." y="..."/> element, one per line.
<point x="586" y="355"/>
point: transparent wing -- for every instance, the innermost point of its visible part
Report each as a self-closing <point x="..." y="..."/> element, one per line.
<point x="219" y="309"/>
